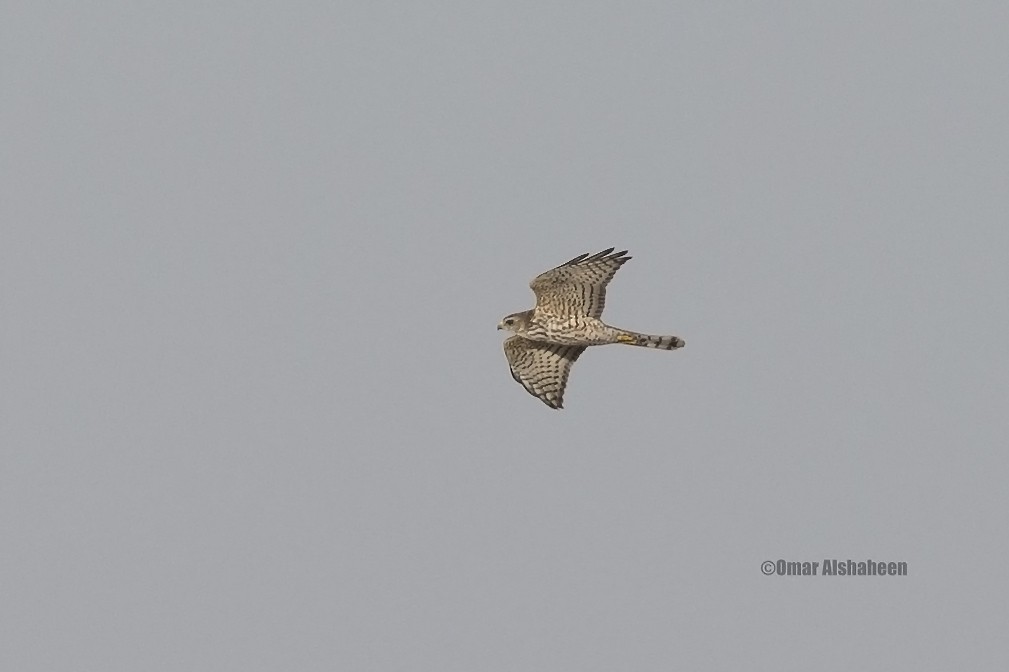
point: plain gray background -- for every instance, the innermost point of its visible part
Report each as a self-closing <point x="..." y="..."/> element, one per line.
<point x="255" y="413"/>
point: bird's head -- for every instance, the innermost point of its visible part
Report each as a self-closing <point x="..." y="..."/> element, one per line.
<point x="516" y="322"/>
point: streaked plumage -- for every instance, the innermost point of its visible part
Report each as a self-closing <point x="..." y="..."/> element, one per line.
<point x="549" y="338"/>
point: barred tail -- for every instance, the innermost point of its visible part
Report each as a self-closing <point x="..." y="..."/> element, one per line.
<point x="648" y="341"/>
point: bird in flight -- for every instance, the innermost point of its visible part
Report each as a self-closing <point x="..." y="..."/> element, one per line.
<point x="549" y="338"/>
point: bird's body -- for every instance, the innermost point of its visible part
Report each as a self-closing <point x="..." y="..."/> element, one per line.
<point x="565" y="329"/>
<point x="569" y="303"/>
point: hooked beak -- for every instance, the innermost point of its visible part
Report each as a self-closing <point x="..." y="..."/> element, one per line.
<point x="499" y="326"/>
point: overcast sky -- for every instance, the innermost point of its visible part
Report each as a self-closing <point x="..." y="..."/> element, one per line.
<point x="254" y="411"/>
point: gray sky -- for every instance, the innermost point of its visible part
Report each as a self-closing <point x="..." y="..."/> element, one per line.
<point x="255" y="413"/>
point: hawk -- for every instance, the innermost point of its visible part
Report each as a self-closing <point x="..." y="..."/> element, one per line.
<point x="552" y="336"/>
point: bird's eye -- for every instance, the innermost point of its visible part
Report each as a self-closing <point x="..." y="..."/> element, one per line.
<point x="509" y="321"/>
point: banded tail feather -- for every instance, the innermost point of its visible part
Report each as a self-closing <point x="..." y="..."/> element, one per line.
<point x="650" y="341"/>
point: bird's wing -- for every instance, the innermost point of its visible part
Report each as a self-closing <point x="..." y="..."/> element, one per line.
<point x="578" y="287"/>
<point x="541" y="368"/>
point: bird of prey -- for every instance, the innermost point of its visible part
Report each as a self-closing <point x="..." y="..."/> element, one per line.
<point x="549" y="338"/>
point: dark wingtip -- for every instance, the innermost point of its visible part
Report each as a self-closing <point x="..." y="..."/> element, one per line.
<point x="605" y="254"/>
<point x="577" y="259"/>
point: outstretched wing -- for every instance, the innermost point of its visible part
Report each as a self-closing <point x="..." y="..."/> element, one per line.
<point x="541" y="368"/>
<point x="578" y="287"/>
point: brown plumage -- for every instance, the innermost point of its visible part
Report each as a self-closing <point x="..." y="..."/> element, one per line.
<point x="569" y="303"/>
